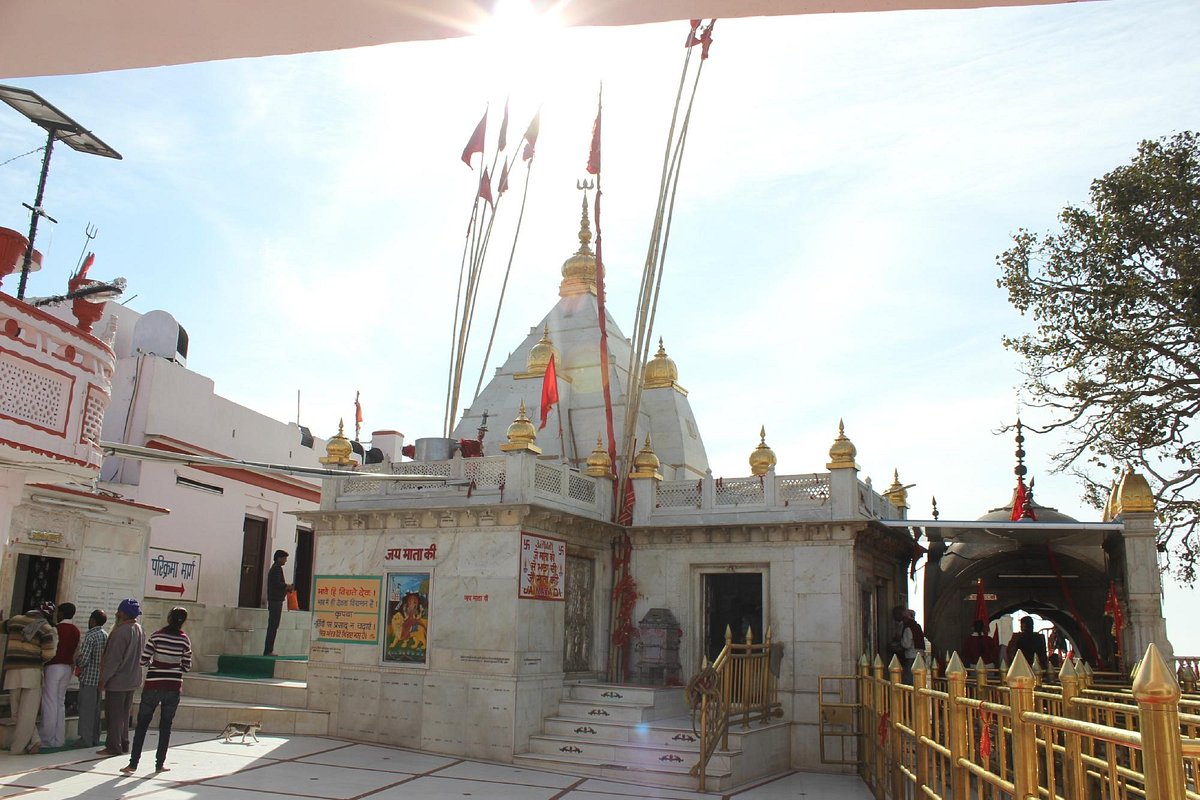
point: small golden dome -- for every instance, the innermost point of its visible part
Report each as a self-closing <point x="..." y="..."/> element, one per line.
<point x="1134" y="493"/>
<point x="1110" y="505"/>
<point x="338" y="448"/>
<point x="897" y="493"/>
<point x="540" y="353"/>
<point x="843" y="451"/>
<point x="579" y="271"/>
<point x="521" y="434"/>
<point x="661" y="371"/>
<point x="599" y="465"/>
<point x="646" y="463"/>
<point x="762" y="458"/>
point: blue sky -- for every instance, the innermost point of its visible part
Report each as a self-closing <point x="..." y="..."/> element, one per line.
<point x="849" y="181"/>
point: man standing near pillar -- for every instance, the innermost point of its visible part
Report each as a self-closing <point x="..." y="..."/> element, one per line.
<point x="87" y="661"/>
<point x="121" y="675"/>
<point x="277" y="589"/>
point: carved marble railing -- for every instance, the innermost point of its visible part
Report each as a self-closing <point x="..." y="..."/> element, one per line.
<point x="766" y="497"/>
<point x="55" y="386"/>
<point x="512" y="478"/>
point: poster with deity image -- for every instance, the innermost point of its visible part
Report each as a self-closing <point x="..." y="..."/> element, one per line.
<point x="406" y="617"/>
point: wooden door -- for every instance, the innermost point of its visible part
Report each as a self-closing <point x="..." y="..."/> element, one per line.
<point x="254" y="551"/>
<point x="302" y="572"/>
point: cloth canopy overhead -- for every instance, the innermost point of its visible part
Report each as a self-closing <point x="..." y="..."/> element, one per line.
<point x="60" y="37"/>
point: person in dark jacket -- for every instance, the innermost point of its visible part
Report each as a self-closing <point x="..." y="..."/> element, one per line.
<point x="1031" y="643"/>
<point x="277" y="589"/>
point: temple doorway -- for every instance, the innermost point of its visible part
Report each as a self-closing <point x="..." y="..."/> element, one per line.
<point x="36" y="582"/>
<point x="580" y="614"/>
<point x="732" y="600"/>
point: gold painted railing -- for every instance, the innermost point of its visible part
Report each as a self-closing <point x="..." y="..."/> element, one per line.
<point x="738" y="687"/>
<point x="972" y="740"/>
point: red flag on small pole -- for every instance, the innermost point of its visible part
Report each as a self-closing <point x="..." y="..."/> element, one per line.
<point x="1112" y="608"/>
<point x="981" y="612"/>
<point x="475" y="144"/>
<point x="503" y="142"/>
<point x="549" y="391"/>
<point x="502" y="187"/>
<point x="531" y="136"/>
<point x="1019" y="500"/>
<point x="485" y="188"/>
<point x="593" y="165"/>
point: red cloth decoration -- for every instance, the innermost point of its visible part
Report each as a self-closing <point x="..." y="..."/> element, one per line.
<point x="470" y="448"/>
<point x="985" y="735"/>
<point x="409" y="451"/>
<point x="357" y="410"/>
<point x="1112" y="608"/>
<point x="884" y="724"/>
<point x="706" y="40"/>
<point x="475" y="144"/>
<point x="981" y="612"/>
<point x="549" y="391"/>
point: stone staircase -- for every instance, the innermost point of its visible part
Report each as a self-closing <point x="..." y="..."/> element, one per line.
<point x="212" y="701"/>
<point x="278" y="703"/>
<point x="645" y="734"/>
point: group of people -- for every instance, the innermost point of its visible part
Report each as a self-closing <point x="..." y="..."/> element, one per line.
<point x="909" y="639"/>
<point x="45" y="648"/>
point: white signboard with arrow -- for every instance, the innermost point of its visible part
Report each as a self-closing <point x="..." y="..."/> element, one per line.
<point x="172" y="574"/>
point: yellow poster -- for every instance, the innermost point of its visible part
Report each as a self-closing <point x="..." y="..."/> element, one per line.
<point x="346" y="608"/>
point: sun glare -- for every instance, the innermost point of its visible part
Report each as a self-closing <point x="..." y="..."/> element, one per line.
<point x="521" y="38"/>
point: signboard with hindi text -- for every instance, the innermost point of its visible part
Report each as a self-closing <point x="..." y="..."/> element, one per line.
<point x="346" y="608"/>
<point x="172" y="574"/>
<point x="543" y="568"/>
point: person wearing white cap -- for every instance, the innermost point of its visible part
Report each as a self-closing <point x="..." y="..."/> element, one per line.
<point x="32" y="642"/>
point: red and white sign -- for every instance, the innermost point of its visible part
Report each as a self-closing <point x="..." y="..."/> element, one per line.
<point x="172" y="574"/>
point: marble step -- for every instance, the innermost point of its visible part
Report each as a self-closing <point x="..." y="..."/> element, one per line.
<point x="606" y="712"/>
<point x="208" y="714"/>
<point x="630" y="754"/>
<point x="674" y="732"/>
<point x="677" y="776"/>
<point x="663" y="702"/>
<point x="267" y="691"/>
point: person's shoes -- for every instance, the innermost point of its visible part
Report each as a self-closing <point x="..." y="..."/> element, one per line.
<point x="33" y="749"/>
<point x="162" y="769"/>
<point x="274" y="655"/>
<point x="128" y="770"/>
<point x="107" y="752"/>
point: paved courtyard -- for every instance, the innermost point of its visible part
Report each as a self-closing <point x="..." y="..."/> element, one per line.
<point x="205" y="767"/>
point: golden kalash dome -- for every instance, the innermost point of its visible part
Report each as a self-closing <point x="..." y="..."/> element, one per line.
<point x="599" y="465"/>
<point x="338" y="449"/>
<point x="646" y="464"/>
<point x="1133" y="493"/>
<point x="661" y="372"/>
<point x="843" y="451"/>
<point x="579" y="271"/>
<point x="521" y="434"/>
<point x="762" y="458"/>
<point x="897" y="493"/>
<point x="540" y="353"/>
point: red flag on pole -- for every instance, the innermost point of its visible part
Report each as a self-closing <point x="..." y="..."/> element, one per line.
<point x="87" y="264"/>
<point x="475" y="145"/>
<point x="504" y="128"/>
<point x="357" y="416"/>
<point x="503" y="185"/>
<point x="593" y="165"/>
<point x="1019" y="500"/>
<point x="549" y="391"/>
<point x="485" y="188"/>
<point x="706" y="40"/>
<point x="693" y="39"/>
<point x="531" y="135"/>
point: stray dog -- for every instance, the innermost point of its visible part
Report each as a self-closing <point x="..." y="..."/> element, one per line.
<point x="244" y="728"/>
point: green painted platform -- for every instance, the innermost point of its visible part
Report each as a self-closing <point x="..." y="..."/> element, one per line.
<point x="234" y="666"/>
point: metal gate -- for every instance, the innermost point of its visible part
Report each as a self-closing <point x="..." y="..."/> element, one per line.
<point x="837" y="696"/>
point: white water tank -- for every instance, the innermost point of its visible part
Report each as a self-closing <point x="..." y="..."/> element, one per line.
<point x="158" y="334"/>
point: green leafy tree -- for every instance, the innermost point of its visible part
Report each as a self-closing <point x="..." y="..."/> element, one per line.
<point x="1114" y="355"/>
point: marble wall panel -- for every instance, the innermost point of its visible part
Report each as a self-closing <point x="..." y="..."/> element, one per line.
<point x="400" y="708"/>
<point x="443" y="713"/>
<point x="324" y="687"/>
<point x="488" y="728"/>
<point x="822" y="618"/>
<point x="358" y="704"/>
<point x="821" y="568"/>
<point x="460" y="623"/>
<point x="813" y="659"/>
